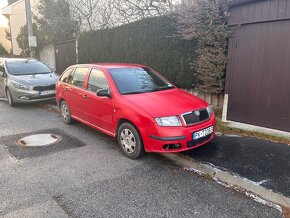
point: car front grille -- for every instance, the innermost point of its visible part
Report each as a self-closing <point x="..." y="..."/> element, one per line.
<point x="195" y="117"/>
<point x="198" y="141"/>
<point x="44" y="88"/>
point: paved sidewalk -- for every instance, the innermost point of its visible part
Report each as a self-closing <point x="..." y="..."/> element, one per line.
<point x="264" y="162"/>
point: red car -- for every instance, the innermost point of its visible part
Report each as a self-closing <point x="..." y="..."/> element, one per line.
<point x="137" y="105"/>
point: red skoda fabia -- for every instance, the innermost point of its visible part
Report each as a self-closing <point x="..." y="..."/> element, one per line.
<point x="137" y="105"/>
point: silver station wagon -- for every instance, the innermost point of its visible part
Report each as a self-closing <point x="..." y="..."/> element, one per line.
<point x="26" y="80"/>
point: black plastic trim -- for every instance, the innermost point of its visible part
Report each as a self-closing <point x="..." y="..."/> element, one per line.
<point x="174" y="138"/>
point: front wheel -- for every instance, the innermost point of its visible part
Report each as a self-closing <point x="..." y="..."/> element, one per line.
<point x="65" y="113"/>
<point x="130" y="141"/>
<point x="10" y="98"/>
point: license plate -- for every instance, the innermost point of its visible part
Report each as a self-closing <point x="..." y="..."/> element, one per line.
<point x="48" y="92"/>
<point x="202" y="133"/>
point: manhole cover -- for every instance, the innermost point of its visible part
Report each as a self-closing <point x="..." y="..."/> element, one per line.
<point x="39" y="140"/>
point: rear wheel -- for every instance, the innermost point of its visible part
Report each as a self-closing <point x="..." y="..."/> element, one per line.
<point x="10" y="98"/>
<point x="65" y="113"/>
<point x="130" y="141"/>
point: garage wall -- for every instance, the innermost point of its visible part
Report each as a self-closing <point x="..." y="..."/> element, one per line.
<point x="258" y="75"/>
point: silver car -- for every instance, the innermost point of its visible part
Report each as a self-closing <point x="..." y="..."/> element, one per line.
<point x="26" y="80"/>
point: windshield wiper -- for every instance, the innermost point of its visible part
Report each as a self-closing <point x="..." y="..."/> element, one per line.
<point x="39" y="73"/>
<point x="163" y="88"/>
<point x="137" y="92"/>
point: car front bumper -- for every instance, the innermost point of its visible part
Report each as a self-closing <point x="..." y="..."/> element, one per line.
<point x="166" y="139"/>
<point x="26" y="96"/>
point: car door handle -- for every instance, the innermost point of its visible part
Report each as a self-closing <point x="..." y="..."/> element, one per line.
<point x="85" y="97"/>
<point x="66" y="89"/>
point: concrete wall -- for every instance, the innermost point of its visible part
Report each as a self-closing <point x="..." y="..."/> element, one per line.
<point x="216" y="101"/>
<point x="47" y="56"/>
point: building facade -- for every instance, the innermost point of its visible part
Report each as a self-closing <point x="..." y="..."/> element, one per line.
<point x="16" y="15"/>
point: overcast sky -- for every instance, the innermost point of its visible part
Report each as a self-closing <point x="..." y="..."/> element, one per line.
<point x="3" y="20"/>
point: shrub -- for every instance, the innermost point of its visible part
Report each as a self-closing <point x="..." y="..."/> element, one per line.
<point x="3" y="51"/>
<point x="203" y="21"/>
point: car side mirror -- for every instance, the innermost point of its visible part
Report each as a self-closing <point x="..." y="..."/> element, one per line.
<point x="104" y="93"/>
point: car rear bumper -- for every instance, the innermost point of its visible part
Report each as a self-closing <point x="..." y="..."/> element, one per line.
<point x="177" y="139"/>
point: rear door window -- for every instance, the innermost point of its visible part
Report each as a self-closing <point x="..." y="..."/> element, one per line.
<point x="78" y="77"/>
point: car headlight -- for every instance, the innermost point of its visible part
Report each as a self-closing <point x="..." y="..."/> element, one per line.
<point x="168" y="121"/>
<point x="209" y="110"/>
<point x="20" y="86"/>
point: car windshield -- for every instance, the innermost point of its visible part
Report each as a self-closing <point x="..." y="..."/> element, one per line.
<point x="27" y="67"/>
<point x="138" y="80"/>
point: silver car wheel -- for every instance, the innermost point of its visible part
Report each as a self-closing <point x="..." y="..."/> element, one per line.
<point x="128" y="141"/>
<point x="65" y="112"/>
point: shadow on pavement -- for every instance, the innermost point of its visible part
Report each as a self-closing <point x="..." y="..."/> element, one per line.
<point x="261" y="161"/>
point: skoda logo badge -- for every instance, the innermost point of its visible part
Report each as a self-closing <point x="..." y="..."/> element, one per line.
<point x="197" y="113"/>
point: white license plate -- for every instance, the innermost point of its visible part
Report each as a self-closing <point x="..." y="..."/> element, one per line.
<point x="202" y="133"/>
<point x="48" y="92"/>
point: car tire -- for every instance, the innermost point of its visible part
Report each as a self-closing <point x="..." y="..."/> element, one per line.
<point x="10" y="98"/>
<point x="130" y="141"/>
<point x="65" y="113"/>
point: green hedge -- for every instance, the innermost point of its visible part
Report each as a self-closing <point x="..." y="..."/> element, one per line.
<point x="153" y="42"/>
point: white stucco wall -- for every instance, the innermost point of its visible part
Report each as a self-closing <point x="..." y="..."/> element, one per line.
<point x="47" y="56"/>
<point x="17" y="19"/>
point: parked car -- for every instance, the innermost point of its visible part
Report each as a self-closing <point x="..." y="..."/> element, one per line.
<point x="137" y="105"/>
<point x="26" y="80"/>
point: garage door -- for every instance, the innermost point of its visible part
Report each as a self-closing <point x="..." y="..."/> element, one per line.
<point x="258" y="80"/>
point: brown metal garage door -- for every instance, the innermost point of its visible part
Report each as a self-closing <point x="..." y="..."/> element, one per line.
<point x="258" y="81"/>
<point x="65" y="55"/>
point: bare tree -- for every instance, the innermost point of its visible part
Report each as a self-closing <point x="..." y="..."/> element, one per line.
<point x="101" y="14"/>
<point x="131" y="10"/>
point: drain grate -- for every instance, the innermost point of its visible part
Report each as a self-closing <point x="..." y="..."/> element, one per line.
<point x="39" y="143"/>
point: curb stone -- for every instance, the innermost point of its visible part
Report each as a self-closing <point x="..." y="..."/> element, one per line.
<point x="250" y="188"/>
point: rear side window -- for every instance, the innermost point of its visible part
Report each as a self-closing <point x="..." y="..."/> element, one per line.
<point x="78" y="77"/>
<point x="97" y="81"/>
<point x="65" y="75"/>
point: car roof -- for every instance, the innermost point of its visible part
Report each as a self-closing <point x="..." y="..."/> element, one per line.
<point x="111" y="65"/>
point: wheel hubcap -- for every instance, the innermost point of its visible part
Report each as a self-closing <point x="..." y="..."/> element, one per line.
<point x="128" y="141"/>
<point x="64" y="111"/>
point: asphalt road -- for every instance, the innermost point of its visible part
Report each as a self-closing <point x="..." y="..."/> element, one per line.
<point x="96" y="180"/>
<point x="263" y="162"/>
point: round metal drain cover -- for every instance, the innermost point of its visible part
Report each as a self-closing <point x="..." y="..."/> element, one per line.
<point x="39" y="140"/>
